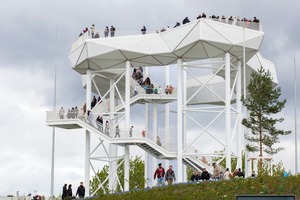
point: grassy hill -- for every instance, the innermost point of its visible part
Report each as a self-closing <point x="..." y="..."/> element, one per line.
<point x="217" y="189"/>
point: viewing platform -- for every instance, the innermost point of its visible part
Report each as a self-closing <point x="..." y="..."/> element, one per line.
<point x="198" y="39"/>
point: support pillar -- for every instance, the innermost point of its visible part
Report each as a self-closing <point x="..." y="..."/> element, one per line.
<point x="227" y="111"/>
<point x="87" y="133"/>
<point x="113" y="149"/>
<point x="154" y="135"/>
<point x="167" y="112"/>
<point x="127" y="125"/>
<point x="126" y="168"/>
<point x="148" y="157"/>
<point x="239" y="115"/>
<point x="148" y="176"/>
<point x="184" y="89"/>
<point x="179" y="120"/>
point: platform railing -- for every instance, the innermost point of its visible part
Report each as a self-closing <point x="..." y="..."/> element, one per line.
<point x="124" y="133"/>
<point x="87" y="35"/>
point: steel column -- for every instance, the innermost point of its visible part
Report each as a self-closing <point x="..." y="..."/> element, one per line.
<point x="239" y="115"/>
<point x="113" y="149"/>
<point x="127" y="124"/>
<point x="179" y="120"/>
<point x="87" y="133"/>
<point x="227" y="111"/>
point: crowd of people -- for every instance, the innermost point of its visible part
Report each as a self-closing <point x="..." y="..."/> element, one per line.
<point x="197" y="176"/>
<point x="92" y="31"/>
<point x="148" y="86"/>
<point x="215" y="18"/>
<point x="111" y="31"/>
<point x="231" y="18"/>
<point x="217" y="174"/>
<point x="71" y="114"/>
<point x="67" y="192"/>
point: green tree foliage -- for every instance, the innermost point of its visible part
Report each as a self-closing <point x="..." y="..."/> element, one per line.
<point x="233" y="160"/>
<point x="263" y="103"/>
<point x="136" y="176"/>
<point x="189" y="173"/>
<point x="96" y="181"/>
<point x="275" y="170"/>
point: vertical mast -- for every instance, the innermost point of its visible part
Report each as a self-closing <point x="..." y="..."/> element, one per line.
<point x="53" y="128"/>
<point x="296" y="139"/>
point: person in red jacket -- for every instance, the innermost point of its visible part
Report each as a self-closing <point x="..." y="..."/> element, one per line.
<point x="160" y="174"/>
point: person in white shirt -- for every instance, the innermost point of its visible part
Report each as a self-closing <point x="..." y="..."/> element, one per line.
<point x="93" y="30"/>
<point x="159" y="91"/>
<point x="61" y="113"/>
<point x="227" y="174"/>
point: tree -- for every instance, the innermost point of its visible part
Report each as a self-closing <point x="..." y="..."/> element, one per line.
<point x="136" y="176"/>
<point x="263" y="103"/>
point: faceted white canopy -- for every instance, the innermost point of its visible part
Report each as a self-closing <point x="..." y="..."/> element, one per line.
<point x="199" y="39"/>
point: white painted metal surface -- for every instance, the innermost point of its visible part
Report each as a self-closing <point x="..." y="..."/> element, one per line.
<point x="222" y="46"/>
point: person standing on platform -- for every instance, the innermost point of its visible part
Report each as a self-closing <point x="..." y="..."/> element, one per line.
<point x="61" y="113"/>
<point x="117" y="131"/>
<point x="93" y="30"/>
<point x="106" y="31"/>
<point x="130" y="131"/>
<point x="144" y="30"/>
<point x="112" y="31"/>
<point x="107" y="127"/>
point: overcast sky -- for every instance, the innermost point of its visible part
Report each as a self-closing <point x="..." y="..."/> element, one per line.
<point x="27" y="60"/>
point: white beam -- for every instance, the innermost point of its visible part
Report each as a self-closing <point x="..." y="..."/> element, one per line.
<point x="239" y="115"/>
<point x="227" y="111"/>
<point x="127" y="124"/>
<point x="87" y="133"/>
<point x="179" y="121"/>
<point x="147" y="157"/>
<point x="184" y="81"/>
<point x="113" y="149"/>
<point x="154" y="134"/>
<point x="167" y="110"/>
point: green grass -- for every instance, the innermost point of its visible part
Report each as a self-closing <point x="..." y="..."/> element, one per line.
<point x="216" y="190"/>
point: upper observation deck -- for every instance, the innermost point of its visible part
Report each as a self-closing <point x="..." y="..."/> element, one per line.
<point x="198" y="39"/>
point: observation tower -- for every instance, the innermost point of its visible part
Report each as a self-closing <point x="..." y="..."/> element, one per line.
<point x="209" y="64"/>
